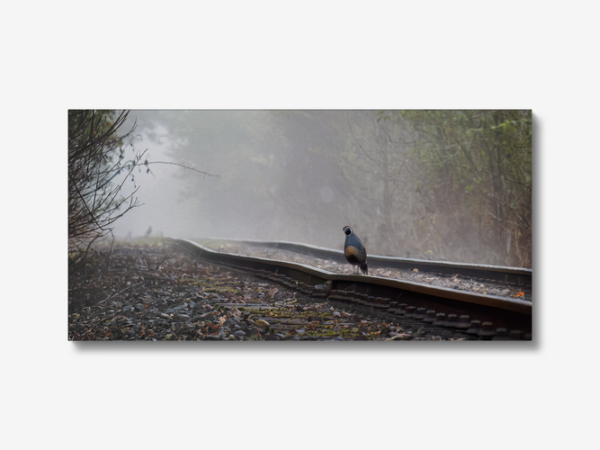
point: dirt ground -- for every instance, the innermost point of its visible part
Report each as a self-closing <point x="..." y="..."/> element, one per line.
<point x="150" y="290"/>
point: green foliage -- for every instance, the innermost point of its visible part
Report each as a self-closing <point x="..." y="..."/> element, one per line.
<point x="482" y="162"/>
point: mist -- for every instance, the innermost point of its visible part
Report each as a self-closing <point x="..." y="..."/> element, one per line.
<point x="303" y="175"/>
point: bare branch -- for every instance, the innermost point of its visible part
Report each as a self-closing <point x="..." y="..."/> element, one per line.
<point x="147" y="163"/>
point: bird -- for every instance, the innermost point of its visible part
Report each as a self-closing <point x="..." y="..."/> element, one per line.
<point x="354" y="251"/>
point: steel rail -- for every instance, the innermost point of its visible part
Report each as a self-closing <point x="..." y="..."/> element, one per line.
<point x="392" y="295"/>
<point x="519" y="275"/>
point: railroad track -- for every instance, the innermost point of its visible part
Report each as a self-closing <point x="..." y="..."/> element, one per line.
<point x="479" y="316"/>
<point x="517" y="276"/>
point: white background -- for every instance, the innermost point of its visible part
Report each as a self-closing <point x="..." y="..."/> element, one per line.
<point x="312" y="54"/>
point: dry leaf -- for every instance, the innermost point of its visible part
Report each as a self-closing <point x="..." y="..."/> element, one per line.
<point x="271" y="293"/>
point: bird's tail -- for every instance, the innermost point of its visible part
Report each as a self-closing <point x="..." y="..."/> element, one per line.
<point x="364" y="268"/>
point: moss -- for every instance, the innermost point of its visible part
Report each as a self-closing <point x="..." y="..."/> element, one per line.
<point x="330" y="333"/>
<point x="211" y="286"/>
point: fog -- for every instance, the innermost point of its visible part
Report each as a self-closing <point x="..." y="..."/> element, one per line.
<point x="301" y="176"/>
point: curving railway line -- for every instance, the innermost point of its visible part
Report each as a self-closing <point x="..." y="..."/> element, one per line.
<point x="510" y="275"/>
<point x="476" y="315"/>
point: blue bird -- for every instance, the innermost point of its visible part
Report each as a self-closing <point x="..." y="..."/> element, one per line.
<point x="354" y="251"/>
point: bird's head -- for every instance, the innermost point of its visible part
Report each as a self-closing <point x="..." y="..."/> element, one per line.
<point x="347" y="230"/>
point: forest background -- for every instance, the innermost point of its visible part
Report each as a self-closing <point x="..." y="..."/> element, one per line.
<point x="430" y="184"/>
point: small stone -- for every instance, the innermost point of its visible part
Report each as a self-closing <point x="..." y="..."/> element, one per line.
<point x="182" y="317"/>
<point x="211" y="337"/>
<point x="239" y="333"/>
<point x="273" y="337"/>
<point x="230" y="322"/>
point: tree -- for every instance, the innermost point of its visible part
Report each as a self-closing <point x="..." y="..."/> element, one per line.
<point x="476" y="169"/>
<point x="374" y="161"/>
<point x="96" y="156"/>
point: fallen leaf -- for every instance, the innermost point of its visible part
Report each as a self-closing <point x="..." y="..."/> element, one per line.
<point x="271" y="293"/>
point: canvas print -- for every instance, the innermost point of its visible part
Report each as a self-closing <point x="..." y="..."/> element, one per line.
<point x="300" y="225"/>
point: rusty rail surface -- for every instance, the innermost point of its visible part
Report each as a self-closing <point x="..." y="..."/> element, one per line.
<point x="484" y="315"/>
